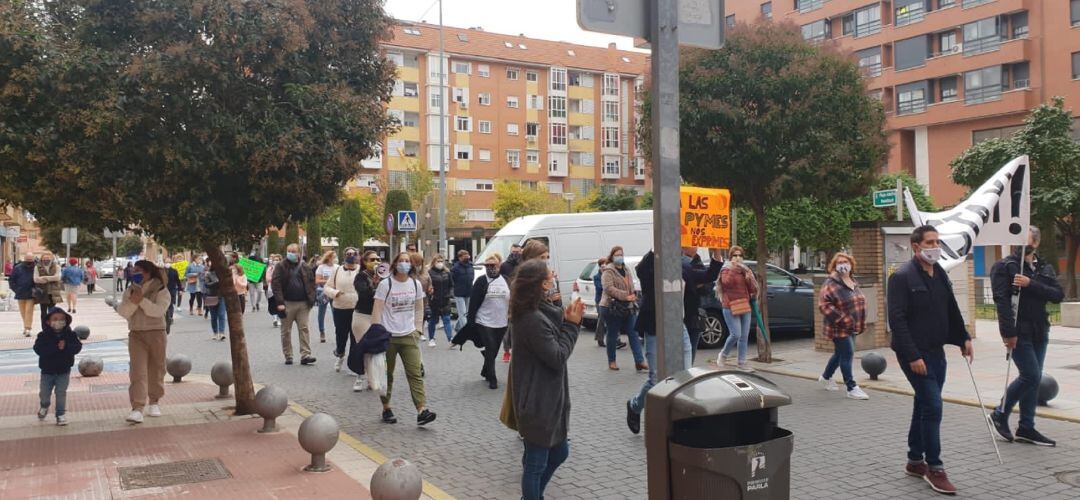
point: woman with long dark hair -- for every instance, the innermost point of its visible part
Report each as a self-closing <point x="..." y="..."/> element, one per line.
<point x="215" y="305"/>
<point x="144" y="305"/>
<point x="544" y="338"/>
<point x="341" y="291"/>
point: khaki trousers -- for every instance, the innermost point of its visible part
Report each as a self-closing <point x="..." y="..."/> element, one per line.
<point x="147" y="352"/>
<point x="295" y="312"/>
<point x="26" y="310"/>
<point x="408" y="348"/>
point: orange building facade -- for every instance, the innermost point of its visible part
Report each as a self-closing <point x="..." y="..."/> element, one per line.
<point x="949" y="73"/>
<point x="551" y="115"/>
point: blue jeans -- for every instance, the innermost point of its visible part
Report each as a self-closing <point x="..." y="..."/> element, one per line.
<point x="1029" y="357"/>
<point x="637" y="403"/>
<point x="462" y="305"/>
<point x="739" y="334"/>
<point x="434" y="322"/>
<point x="217" y="317"/>
<point x="58" y="382"/>
<point x="841" y="358"/>
<point x="924" y="436"/>
<point x="539" y="464"/>
<point x="322" y="316"/>
<point x="616" y="326"/>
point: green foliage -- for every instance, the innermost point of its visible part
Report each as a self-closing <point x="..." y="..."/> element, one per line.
<point x="351" y="233"/>
<point x="199" y="122"/>
<point x="129" y="245"/>
<point x="623" y="199"/>
<point x="292" y="235"/>
<point x="396" y="201"/>
<point x="513" y="200"/>
<point x="646" y="201"/>
<point x="90" y="245"/>
<point x="273" y="242"/>
<point x="314" y="236"/>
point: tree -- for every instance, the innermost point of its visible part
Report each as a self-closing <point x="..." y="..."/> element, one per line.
<point x="130" y="245"/>
<point x="396" y="201"/>
<point x="292" y="235"/>
<point x="314" y="236"/>
<point x="273" y="241"/>
<point x="622" y="199"/>
<point x="110" y="108"/>
<point x="1055" y="177"/>
<point x="90" y="245"/>
<point x="646" y="201"/>
<point x="513" y="200"/>
<point x="351" y="233"/>
<point x="773" y="118"/>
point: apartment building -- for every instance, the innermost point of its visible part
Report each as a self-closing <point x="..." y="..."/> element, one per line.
<point x="547" y="114"/>
<point x="950" y="73"/>
<point x="19" y="234"/>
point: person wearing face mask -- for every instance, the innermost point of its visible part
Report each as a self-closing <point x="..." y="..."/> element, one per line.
<point x="144" y="305"/>
<point x="620" y="309"/>
<point x="844" y="307"/>
<point x="486" y="322"/>
<point x="341" y="291"/>
<point x="195" y="285"/>
<point x="271" y="302"/>
<point x="738" y="288"/>
<point x="47" y="282"/>
<point x="21" y="281"/>
<point x="72" y="277"/>
<point x="462" y="274"/>
<point x="294" y="295"/>
<point x="326" y="267"/>
<point x="240" y="285"/>
<point x="215" y="305"/>
<point x="440" y="293"/>
<point x="512" y="261"/>
<point x="399" y="308"/>
<point x="255" y="288"/>
<point x="56" y="347"/>
<point x="365" y="282"/>
<point x="924" y="316"/>
<point x="1033" y="283"/>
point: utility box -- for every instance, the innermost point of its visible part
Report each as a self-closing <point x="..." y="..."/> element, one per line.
<point x="713" y="434"/>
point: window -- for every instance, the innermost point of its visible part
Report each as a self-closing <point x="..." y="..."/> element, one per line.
<point x="947" y="89"/>
<point x="981" y="36"/>
<point x="435" y="98"/>
<point x="581" y="158"/>
<point x="396" y="114"/>
<point x="485" y="126"/>
<point x="909" y="11"/>
<point x="868" y="20"/>
<point x="532" y="129"/>
<point x="554" y="187"/>
<point x="557" y="164"/>
<point x="394" y="147"/>
<point x="475" y="185"/>
<point x="484" y="98"/>
<point x="910" y="53"/>
<point x="639" y="167"/>
<point x="611" y="111"/>
<point x="396" y="57"/>
<point x="463" y="68"/>
<point x="1074" y="12"/>
<point x="982" y="85"/>
<point x="412" y="31"/>
<point x="972" y="3"/>
<point x="581" y="132"/>
<point x="461" y="96"/>
<point x="558" y="133"/>
<point x="463" y="151"/>
<point x="535" y="102"/>
<point x="558" y="106"/>
<point x="978" y="136"/>
<point x="580" y="79"/>
<point x="911" y="98"/>
<point x="1019" y="23"/>
<point x="511" y="73"/>
<point x="483" y="70"/>
<point x="816" y="31"/>
<point x="730" y="21"/>
<point x="511" y="101"/>
<point x="766" y="10"/>
<point x="513" y="158"/>
<point x="484" y="155"/>
<point x="611" y="137"/>
<point x="947" y="43"/>
<point x="532" y="157"/>
<point x="870" y="61"/>
<point x="944" y="4"/>
<point x="479" y="215"/>
<point x="410" y="119"/>
<point x="532" y="76"/>
<point x="1076" y="64"/>
<point x="410" y="89"/>
<point x="512" y="129"/>
<point x="611" y="85"/>
<point x="808" y="5"/>
<point x="558" y="79"/>
<point x="612" y="168"/>
<point x="436" y="68"/>
<point x="1021" y="77"/>
<point x="462" y="124"/>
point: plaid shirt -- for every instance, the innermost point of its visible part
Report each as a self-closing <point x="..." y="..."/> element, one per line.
<point x="844" y="308"/>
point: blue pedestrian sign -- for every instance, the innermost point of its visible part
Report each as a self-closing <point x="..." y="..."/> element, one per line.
<point x="406" y="221"/>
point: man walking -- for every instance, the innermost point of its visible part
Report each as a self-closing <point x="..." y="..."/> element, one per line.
<point x="699" y="281"/>
<point x="255" y="288"/>
<point x="462" y="275"/>
<point x="293" y="283"/>
<point x="174" y="289"/>
<point x="1026" y="333"/>
<point x="924" y="317"/>
<point x="72" y="277"/>
<point x="21" y="281"/>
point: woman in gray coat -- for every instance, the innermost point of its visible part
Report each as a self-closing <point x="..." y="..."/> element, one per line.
<point x="544" y="337"/>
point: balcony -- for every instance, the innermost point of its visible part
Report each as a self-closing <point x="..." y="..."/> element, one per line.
<point x="943" y="19"/>
<point x="1010" y="51"/>
<point x="1010" y="102"/>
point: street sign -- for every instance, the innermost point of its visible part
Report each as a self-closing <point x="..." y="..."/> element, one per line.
<point x="69" y="236"/>
<point x="114" y="234"/>
<point x="885" y="198"/>
<point x="406" y="221"/>
<point x="12" y="232"/>
<point x="701" y="22"/>
<point x="389" y="223"/>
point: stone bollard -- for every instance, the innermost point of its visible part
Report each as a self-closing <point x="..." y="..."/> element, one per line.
<point x="318" y="435"/>
<point x="396" y="479"/>
<point x="82" y="332"/>
<point x="178" y="366"/>
<point x="222" y="375"/>
<point x="270" y="403"/>
<point x="110" y="300"/>
<point x="1048" y="389"/>
<point x="91" y="366"/>
<point x="873" y="364"/>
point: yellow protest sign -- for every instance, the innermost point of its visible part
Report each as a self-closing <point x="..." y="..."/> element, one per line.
<point x="181" y="268"/>
<point x="705" y="215"/>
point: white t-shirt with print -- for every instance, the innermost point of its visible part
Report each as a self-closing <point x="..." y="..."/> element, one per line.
<point x="399" y="309"/>
<point x="325" y="270"/>
<point x="493" y="310"/>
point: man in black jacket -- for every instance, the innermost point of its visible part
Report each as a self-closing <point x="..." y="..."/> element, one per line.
<point x="1026" y="334"/>
<point x="462" y="275"/>
<point x="699" y="280"/>
<point x="924" y="317"/>
<point x="510" y="264"/>
<point x="174" y="288"/>
<point x="21" y="282"/>
<point x="293" y="283"/>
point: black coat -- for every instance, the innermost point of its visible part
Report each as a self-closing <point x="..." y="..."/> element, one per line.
<point x="697" y="279"/>
<point x="462" y="275"/>
<point x="469" y="332"/>
<point x="51" y="359"/>
<point x="442" y="291"/>
<point x="646" y="270"/>
<point x="509" y="266"/>
<point x="912" y="330"/>
<point x="376" y="340"/>
<point x="174" y="279"/>
<point x="1034" y="322"/>
<point x="21" y="281"/>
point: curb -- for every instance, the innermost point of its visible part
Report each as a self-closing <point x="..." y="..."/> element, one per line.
<point x="906" y="392"/>
<point x="372" y="454"/>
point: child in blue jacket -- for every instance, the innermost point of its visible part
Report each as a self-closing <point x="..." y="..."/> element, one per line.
<point x="56" y="347"/>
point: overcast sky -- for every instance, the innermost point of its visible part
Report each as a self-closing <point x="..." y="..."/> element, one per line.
<point x="544" y="19"/>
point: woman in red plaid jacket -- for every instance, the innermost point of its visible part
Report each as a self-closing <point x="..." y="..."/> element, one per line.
<point x="844" y="307"/>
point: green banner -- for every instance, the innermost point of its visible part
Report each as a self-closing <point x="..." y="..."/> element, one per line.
<point x="253" y="269"/>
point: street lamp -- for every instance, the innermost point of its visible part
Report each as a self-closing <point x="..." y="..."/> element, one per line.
<point x="569" y="197"/>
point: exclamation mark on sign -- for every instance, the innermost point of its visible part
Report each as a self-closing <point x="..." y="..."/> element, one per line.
<point x="1016" y="193"/>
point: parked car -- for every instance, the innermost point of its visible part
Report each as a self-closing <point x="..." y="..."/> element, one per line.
<point x="105" y="268"/>
<point x="791" y="308"/>
<point x="583" y="287"/>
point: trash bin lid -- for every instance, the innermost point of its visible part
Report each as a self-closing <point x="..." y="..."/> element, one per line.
<point x="711" y="392"/>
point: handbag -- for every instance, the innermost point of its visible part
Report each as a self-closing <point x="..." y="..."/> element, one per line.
<point x="507" y="414"/>
<point x="623" y="308"/>
<point x="739" y="306"/>
<point x="41" y="296"/>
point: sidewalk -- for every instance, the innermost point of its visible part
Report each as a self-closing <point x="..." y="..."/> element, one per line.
<point x="102" y="320"/>
<point x="799" y="359"/>
<point x="91" y="457"/>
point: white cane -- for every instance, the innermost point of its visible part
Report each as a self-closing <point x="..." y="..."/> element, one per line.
<point x="986" y="418"/>
<point x="1016" y="322"/>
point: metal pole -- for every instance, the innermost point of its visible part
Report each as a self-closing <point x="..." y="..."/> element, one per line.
<point x="442" y="135"/>
<point x="115" y="271"/>
<point x="899" y="200"/>
<point x="663" y="25"/>
<point x="986" y="418"/>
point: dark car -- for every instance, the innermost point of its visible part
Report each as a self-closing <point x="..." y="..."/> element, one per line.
<point x="791" y="308"/>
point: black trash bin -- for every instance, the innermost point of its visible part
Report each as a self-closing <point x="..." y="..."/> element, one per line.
<point x="713" y="434"/>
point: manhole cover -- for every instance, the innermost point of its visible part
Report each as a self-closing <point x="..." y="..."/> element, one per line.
<point x="108" y="387"/>
<point x="1069" y="477"/>
<point x="172" y="474"/>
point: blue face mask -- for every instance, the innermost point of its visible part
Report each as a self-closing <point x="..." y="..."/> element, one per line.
<point x="137" y="279"/>
<point x="618" y="260"/>
<point x="404" y="267"/>
<point x="292" y="257"/>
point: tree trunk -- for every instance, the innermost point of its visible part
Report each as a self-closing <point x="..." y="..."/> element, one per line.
<point x="1072" y="242"/>
<point x="764" y="345"/>
<point x="243" y="388"/>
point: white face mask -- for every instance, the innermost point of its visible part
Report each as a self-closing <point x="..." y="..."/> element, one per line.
<point x="930" y="255"/>
<point x="58" y="324"/>
<point x="843" y="268"/>
<point x="440" y="266"/>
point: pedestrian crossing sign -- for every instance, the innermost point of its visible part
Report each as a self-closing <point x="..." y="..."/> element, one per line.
<point x="406" y="221"/>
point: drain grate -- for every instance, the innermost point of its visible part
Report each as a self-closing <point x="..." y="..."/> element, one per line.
<point x="1069" y="477"/>
<point x="172" y="474"/>
<point x="108" y="387"/>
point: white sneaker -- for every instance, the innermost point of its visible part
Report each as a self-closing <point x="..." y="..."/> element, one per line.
<point x="41" y="413"/>
<point x="153" y="411"/>
<point x="277" y="323"/>
<point x="61" y="420"/>
<point x="135" y="417"/>
<point x="857" y="393"/>
<point x="431" y="343"/>
<point x="828" y="384"/>
<point x="745" y="368"/>
<point x="338" y="362"/>
<point x="360" y="384"/>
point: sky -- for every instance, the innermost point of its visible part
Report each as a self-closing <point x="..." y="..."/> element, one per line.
<point x="544" y="19"/>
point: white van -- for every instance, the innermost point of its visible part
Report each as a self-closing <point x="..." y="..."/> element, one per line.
<point x="575" y="239"/>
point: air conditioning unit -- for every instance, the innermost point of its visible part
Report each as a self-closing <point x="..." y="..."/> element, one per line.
<point x="958" y="48"/>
